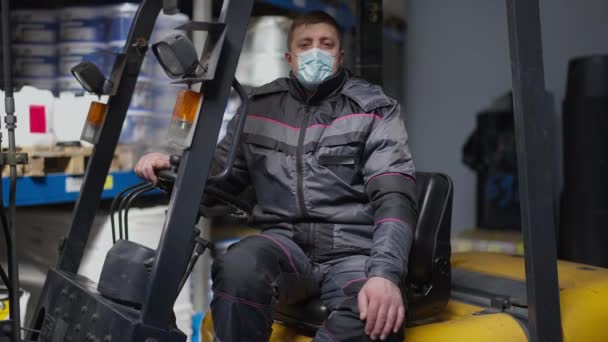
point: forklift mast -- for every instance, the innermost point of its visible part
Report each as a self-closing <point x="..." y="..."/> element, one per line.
<point x="70" y="308"/>
<point x="533" y="143"/>
<point x="534" y="146"/>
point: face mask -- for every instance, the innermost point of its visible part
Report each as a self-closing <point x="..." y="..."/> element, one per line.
<point x="314" y="67"/>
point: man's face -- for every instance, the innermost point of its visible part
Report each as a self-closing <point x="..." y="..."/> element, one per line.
<point x="322" y="36"/>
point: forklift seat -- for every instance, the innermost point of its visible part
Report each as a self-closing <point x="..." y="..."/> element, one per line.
<point x="427" y="285"/>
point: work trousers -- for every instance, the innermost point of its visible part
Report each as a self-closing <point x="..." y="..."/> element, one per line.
<point x="261" y="270"/>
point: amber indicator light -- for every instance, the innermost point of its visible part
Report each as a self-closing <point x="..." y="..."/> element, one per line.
<point x="97" y="111"/>
<point x="187" y="105"/>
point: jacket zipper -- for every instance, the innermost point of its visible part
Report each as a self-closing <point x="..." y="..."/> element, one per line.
<point x="300" y="162"/>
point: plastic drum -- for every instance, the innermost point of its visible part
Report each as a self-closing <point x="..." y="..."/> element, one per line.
<point x="34" y="108"/>
<point x="169" y="22"/>
<point x="136" y="127"/>
<point x="147" y="67"/>
<point x="158" y="129"/>
<point x="119" y="20"/>
<point x="35" y="60"/>
<point x="69" y="84"/>
<point x="143" y="96"/>
<point x="38" y="82"/>
<point x="35" y="26"/>
<point x="256" y="69"/>
<point x="83" y="24"/>
<point x="267" y="34"/>
<point x="165" y="95"/>
<point x="71" y="54"/>
<point x="166" y="24"/>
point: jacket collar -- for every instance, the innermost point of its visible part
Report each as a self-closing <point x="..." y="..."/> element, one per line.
<point x="326" y="89"/>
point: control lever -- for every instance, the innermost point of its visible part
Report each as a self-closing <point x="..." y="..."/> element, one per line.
<point x="174" y="160"/>
<point x="166" y="178"/>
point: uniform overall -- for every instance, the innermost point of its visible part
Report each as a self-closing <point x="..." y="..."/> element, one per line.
<point x="335" y="190"/>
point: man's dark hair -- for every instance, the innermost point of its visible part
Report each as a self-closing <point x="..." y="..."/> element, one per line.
<point x="311" y="18"/>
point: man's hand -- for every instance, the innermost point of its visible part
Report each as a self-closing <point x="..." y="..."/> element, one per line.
<point x="381" y="305"/>
<point x="149" y="164"/>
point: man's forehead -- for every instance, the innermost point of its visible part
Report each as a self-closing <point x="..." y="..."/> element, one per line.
<point x="319" y="30"/>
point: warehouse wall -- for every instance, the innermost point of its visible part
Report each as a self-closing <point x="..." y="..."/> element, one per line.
<point x="458" y="61"/>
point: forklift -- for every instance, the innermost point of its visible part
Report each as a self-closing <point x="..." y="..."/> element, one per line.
<point x="451" y="297"/>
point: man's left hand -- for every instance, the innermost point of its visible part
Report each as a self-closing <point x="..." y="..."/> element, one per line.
<point x="381" y="306"/>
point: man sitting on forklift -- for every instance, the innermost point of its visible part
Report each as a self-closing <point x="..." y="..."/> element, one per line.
<point x="328" y="156"/>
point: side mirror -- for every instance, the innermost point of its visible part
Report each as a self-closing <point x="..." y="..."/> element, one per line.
<point x="176" y="55"/>
<point x="91" y="78"/>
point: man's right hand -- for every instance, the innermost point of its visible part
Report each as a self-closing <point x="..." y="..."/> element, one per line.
<point x="150" y="163"/>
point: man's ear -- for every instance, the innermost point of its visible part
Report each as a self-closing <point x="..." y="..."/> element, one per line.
<point x="288" y="57"/>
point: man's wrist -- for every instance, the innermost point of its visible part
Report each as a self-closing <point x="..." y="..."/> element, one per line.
<point x="393" y="276"/>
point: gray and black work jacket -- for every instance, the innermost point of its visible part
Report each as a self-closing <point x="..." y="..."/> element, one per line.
<point x="332" y="167"/>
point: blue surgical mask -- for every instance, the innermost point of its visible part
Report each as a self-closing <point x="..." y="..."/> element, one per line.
<point x="314" y="67"/>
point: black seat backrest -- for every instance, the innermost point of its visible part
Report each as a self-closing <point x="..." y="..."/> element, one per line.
<point x="428" y="280"/>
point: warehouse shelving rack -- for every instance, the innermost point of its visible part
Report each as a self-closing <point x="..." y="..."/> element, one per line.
<point x="63" y="188"/>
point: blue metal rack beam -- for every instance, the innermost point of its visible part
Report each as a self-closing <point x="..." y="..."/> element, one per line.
<point x="61" y="188"/>
<point x="342" y="13"/>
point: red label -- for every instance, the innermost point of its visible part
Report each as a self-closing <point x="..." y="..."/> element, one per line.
<point x="37" y="119"/>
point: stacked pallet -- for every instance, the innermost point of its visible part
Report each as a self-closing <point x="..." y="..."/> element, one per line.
<point x="69" y="160"/>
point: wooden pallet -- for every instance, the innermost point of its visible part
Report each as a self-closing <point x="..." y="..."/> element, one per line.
<point x="71" y="160"/>
<point x="126" y="156"/>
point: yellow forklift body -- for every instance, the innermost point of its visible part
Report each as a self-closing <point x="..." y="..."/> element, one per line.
<point x="583" y="291"/>
<point x="457" y="323"/>
<point x="583" y="298"/>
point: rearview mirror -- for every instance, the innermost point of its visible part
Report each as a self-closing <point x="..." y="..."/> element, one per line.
<point x="176" y="55"/>
<point x="91" y="78"/>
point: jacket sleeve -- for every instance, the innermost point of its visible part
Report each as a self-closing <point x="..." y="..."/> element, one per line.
<point x="238" y="179"/>
<point x="390" y="184"/>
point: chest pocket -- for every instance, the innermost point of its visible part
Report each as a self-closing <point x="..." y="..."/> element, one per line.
<point x="344" y="161"/>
